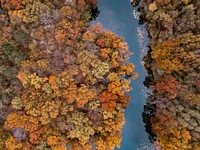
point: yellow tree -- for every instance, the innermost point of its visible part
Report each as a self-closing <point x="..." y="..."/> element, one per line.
<point x="167" y="56"/>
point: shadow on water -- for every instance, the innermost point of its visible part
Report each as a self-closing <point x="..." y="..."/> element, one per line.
<point x="117" y="16"/>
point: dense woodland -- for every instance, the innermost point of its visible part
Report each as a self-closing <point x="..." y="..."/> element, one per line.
<point x="63" y="84"/>
<point x="172" y="113"/>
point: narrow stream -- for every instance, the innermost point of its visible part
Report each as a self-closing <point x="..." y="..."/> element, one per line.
<point x="116" y="15"/>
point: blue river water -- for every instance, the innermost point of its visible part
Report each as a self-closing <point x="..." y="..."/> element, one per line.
<point x="116" y="15"/>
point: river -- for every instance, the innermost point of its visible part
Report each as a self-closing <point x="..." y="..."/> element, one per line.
<point x="116" y="15"/>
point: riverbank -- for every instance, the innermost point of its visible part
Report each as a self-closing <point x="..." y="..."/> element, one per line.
<point x="172" y="113"/>
<point x="117" y="16"/>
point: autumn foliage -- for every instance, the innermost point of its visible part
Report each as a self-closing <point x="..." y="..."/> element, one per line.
<point x="168" y="86"/>
<point x="66" y="82"/>
<point x="173" y="64"/>
<point x="171" y="135"/>
<point x="12" y="4"/>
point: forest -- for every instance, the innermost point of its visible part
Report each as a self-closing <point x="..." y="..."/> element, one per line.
<point x="172" y="112"/>
<point x="63" y="83"/>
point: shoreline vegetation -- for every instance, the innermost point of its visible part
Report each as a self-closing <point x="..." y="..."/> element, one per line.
<point x="172" y="111"/>
<point x="63" y="84"/>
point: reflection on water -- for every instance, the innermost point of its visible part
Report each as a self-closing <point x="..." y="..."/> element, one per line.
<point x="136" y="14"/>
<point x="145" y="146"/>
<point x="112" y="25"/>
<point x="142" y="43"/>
<point x="144" y="92"/>
<point x="117" y="15"/>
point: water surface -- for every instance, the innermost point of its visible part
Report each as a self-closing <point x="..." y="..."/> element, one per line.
<point x="117" y="16"/>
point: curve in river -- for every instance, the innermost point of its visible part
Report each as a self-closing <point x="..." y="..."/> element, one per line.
<point x="116" y="15"/>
